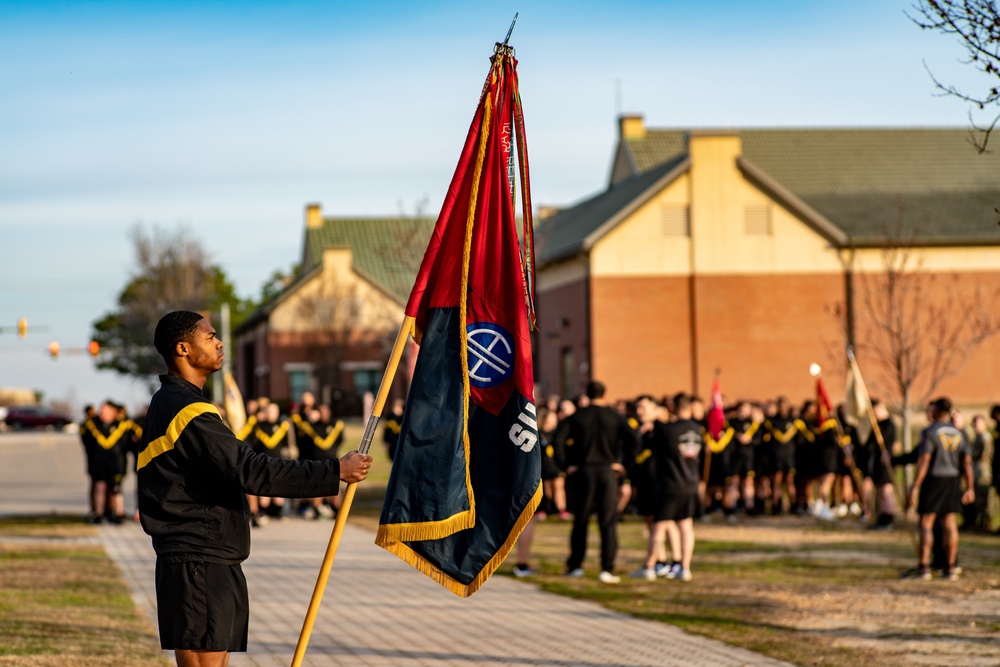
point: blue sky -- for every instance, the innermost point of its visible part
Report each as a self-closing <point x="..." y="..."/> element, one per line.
<point x="228" y="117"/>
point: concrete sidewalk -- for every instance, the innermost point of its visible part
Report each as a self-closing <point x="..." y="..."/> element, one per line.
<point x="379" y="611"/>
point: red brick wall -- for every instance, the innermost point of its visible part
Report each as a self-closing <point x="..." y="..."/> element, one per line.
<point x="763" y="332"/>
<point x="977" y="381"/>
<point x="640" y="338"/>
<point x="562" y="322"/>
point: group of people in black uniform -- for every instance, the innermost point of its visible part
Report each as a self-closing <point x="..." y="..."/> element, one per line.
<point x="109" y="438"/>
<point x="656" y="458"/>
<point x="309" y="432"/>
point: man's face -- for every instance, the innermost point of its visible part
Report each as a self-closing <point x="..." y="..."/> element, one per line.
<point x="108" y="413"/>
<point x="645" y="410"/>
<point x="204" y="348"/>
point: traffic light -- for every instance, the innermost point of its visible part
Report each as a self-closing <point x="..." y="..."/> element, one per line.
<point x="93" y="347"/>
<point x="54" y="349"/>
<point x="22" y="328"/>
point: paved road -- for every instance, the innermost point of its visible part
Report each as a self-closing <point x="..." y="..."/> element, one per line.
<point x="377" y="610"/>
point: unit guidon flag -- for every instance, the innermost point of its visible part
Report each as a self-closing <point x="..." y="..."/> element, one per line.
<point x="466" y="476"/>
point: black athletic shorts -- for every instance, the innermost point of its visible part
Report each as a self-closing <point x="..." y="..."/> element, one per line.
<point x="742" y="462"/>
<point x="677" y="506"/>
<point x="202" y="606"/>
<point x="940" y="495"/>
<point x="783" y="458"/>
<point x="826" y="461"/>
<point x="880" y="472"/>
<point x="718" y="467"/>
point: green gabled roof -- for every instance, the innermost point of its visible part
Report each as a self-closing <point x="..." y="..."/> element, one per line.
<point x="574" y="229"/>
<point x="385" y="251"/>
<point x="927" y="186"/>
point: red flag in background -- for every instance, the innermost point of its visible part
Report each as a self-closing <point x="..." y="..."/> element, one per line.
<point x="716" y="412"/>
<point x="824" y="409"/>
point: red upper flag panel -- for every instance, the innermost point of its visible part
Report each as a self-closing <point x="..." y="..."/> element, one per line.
<point x="473" y="261"/>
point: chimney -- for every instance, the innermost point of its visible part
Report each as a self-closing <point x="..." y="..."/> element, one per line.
<point x="314" y="216"/>
<point x="546" y="212"/>
<point x="631" y="126"/>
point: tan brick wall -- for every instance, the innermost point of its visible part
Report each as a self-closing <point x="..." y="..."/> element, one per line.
<point x="641" y="334"/>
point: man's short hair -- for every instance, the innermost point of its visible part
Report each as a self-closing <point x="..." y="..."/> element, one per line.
<point x="595" y="389"/>
<point x="682" y="402"/>
<point x="941" y="405"/>
<point x="172" y="329"/>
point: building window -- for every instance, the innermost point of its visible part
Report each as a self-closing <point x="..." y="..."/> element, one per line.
<point x="676" y="220"/>
<point x="568" y="372"/>
<point x="757" y="220"/>
<point x="366" y="380"/>
<point x="298" y="383"/>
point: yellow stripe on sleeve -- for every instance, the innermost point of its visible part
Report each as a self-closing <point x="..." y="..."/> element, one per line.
<point x="177" y="425"/>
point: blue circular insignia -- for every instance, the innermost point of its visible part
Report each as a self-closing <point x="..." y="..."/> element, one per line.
<point x="490" y="354"/>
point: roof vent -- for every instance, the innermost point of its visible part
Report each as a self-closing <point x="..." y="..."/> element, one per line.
<point x="757" y="220"/>
<point x="676" y="220"/>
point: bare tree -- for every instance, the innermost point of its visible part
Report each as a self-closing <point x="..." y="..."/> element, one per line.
<point x="976" y="25"/>
<point x="340" y="325"/>
<point x="173" y="272"/>
<point x="917" y="328"/>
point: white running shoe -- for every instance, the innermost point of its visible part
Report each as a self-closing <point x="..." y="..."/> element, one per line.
<point x="841" y="511"/>
<point x="855" y="509"/>
<point x="672" y="571"/>
<point x="685" y="575"/>
<point x="606" y="577"/>
<point x="578" y="572"/>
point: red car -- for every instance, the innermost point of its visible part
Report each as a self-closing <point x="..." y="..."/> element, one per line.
<point x="34" y="416"/>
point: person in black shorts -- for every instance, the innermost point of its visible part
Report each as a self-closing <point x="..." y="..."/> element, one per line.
<point x="781" y="440"/>
<point x="107" y="437"/>
<point x="879" y="468"/>
<point x="642" y="473"/>
<point x="193" y="473"/>
<point x="320" y="437"/>
<point x="391" y="426"/>
<point x="273" y="436"/>
<point x="676" y="450"/>
<point x="942" y="460"/>
<point x="740" y="482"/>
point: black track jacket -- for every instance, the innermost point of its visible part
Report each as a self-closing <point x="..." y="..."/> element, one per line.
<point x="193" y="473"/>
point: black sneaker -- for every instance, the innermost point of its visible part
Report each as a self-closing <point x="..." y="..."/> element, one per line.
<point x="923" y="573"/>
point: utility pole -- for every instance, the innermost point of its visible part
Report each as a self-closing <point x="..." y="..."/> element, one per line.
<point x="219" y="382"/>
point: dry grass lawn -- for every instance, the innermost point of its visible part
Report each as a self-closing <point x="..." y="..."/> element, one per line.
<point x="65" y="603"/>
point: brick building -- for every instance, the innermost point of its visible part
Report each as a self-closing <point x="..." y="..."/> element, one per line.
<point x="757" y="252"/>
<point x="331" y="328"/>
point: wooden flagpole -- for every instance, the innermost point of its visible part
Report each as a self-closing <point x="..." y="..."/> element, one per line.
<point x="338" y="527"/>
<point x="900" y="496"/>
